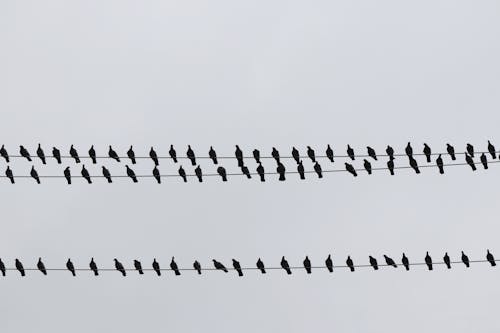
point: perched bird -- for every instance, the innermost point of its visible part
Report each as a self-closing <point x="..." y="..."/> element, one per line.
<point x="19" y="267"/>
<point x="156" y="267"/>
<point x="484" y="161"/>
<point x="113" y="154"/>
<point x="182" y="173"/>
<point x="156" y="174"/>
<point x="131" y="174"/>
<point x="138" y="266"/>
<point x="260" y="171"/>
<point x="295" y="155"/>
<point x="350" y="152"/>
<point x="409" y="150"/>
<point x="406" y="262"/>
<point x="281" y="171"/>
<point x="92" y="154"/>
<point x="219" y="266"/>
<point x="318" y="170"/>
<point x="173" y="153"/>
<point x="439" y="163"/>
<point x="349" y="263"/>
<point x="197" y="267"/>
<point x="41" y="154"/>
<point x="389" y="261"/>
<point x="119" y="267"/>
<point x="427" y="152"/>
<point x="67" y="175"/>
<point x="24" y="153"/>
<point x="41" y="266"/>
<point x="70" y="267"/>
<point x="276" y="155"/>
<point x="85" y="174"/>
<point x="239" y="156"/>
<point x="9" y="174"/>
<point x="131" y="154"/>
<point x="260" y="266"/>
<point x="256" y="155"/>
<point x="57" y="154"/>
<point x="2" y="267"/>
<point x="154" y="156"/>
<point x="490" y="258"/>
<point x="390" y="152"/>
<point x="245" y="171"/>
<point x="491" y="150"/>
<point x="414" y="165"/>
<point x="374" y="263"/>
<point x="390" y="166"/>
<point x="300" y="170"/>
<point x="371" y="152"/>
<point x="428" y="261"/>
<point x="329" y="263"/>
<point x="329" y="153"/>
<point x="106" y="174"/>
<point x="190" y="155"/>
<point x="4" y="153"/>
<point x="470" y="162"/>
<point x="198" y="173"/>
<point x="447" y="260"/>
<point x="307" y="265"/>
<point x="351" y="169"/>
<point x="173" y="266"/>
<point x="470" y="149"/>
<point x="34" y="174"/>
<point x="451" y="151"/>
<point x="368" y="166"/>
<point x="222" y="172"/>
<point x="93" y="267"/>
<point x="73" y="153"/>
<point x="311" y="154"/>
<point x="465" y="260"/>
<point x="213" y="155"/>
<point x="285" y="266"/>
<point x="237" y="267"/>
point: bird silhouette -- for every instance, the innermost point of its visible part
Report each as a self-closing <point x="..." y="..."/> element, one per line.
<point x="374" y="263"/>
<point x="276" y="155"/>
<point x="300" y="170"/>
<point x="41" y="154"/>
<point x="470" y="162"/>
<point x="260" y="266"/>
<point x="154" y="156"/>
<point x="213" y="155"/>
<point x="245" y="171"/>
<point x="41" y="266"/>
<point x="93" y="267"/>
<point x="198" y="173"/>
<point x="156" y="174"/>
<point x="307" y="265"/>
<point x="57" y="154"/>
<point x="256" y="155"/>
<point x="106" y="174"/>
<point x="414" y="165"/>
<point x="2" y="267"/>
<point x="350" y="152"/>
<point x="92" y="154"/>
<point x="182" y="173"/>
<point x="222" y="172"/>
<point x="34" y="174"/>
<point x="409" y="150"/>
<point x="85" y="174"/>
<point x="447" y="260"/>
<point x="131" y="154"/>
<point x="296" y="155"/>
<point x="173" y="266"/>
<point x="67" y="175"/>
<point x="491" y="150"/>
<point x="428" y="261"/>
<point x="219" y="266"/>
<point x="484" y="161"/>
<point x="119" y="267"/>
<point x="329" y="153"/>
<point x="406" y="262"/>
<point x="73" y="153"/>
<point x="239" y="156"/>
<point x="390" y="152"/>
<point x="113" y="154"/>
<point x="281" y="171"/>
<point x="439" y="163"/>
<point x="173" y="153"/>
<point x="390" y="166"/>
<point x="351" y="169"/>
<point x="465" y="260"/>
<point x="285" y="266"/>
<point x="237" y="267"/>
<point x="389" y="261"/>
<point x="311" y="154"/>
<point x="9" y="174"/>
<point x="70" y="267"/>
<point x="260" y="171"/>
<point x="131" y="174"/>
<point x="490" y="258"/>
<point x="138" y="266"/>
<point x="197" y="267"/>
<point x="19" y="267"/>
<point x="349" y="263"/>
<point x="156" y="267"/>
<point x="371" y="152"/>
<point x="329" y="263"/>
<point x="470" y="149"/>
<point x="368" y="166"/>
<point x="318" y="170"/>
<point x="451" y="151"/>
<point x="191" y="156"/>
<point x="4" y="153"/>
<point x="427" y="152"/>
<point x="24" y="153"/>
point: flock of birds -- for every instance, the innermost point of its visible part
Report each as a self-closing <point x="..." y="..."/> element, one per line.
<point x="236" y="266"/>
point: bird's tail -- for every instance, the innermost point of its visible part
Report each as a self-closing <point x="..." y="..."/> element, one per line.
<point x="441" y="170"/>
<point x="392" y="172"/>
<point x="177" y="273"/>
<point x="3" y="272"/>
<point x="263" y="271"/>
<point x="352" y="269"/>
<point x="199" y="272"/>
<point x="430" y="267"/>
<point x="282" y="177"/>
<point x="89" y="180"/>
<point x="96" y="272"/>
<point x="407" y="268"/>
<point x="38" y="180"/>
<point x="320" y="175"/>
<point x="135" y="179"/>
<point x="141" y="272"/>
<point x="109" y="180"/>
<point x="12" y="180"/>
<point x="185" y="179"/>
<point x="240" y="162"/>
<point x="288" y="271"/>
<point x="330" y="269"/>
<point x="69" y="181"/>
<point x="240" y="273"/>
<point x="493" y="263"/>
<point x="74" y="273"/>
<point x="77" y="159"/>
<point x="158" y="272"/>
<point x="225" y="270"/>
<point x="224" y="178"/>
<point x="23" y="273"/>
<point x="262" y="179"/>
<point x="428" y="159"/>
<point x="417" y="170"/>
<point x="94" y="161"/>
<point x="193" y="162"/>
<point x="124" y="273"/>
<point x="302" y="176"/>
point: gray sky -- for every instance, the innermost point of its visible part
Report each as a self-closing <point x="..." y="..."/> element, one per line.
<point x="258" y="74"/>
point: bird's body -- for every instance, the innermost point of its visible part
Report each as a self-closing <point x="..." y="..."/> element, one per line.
<point x="106" y="174"/>
<point x="311" y="154"/>
<point x="191" y="156"/>
<point x="371" y="152"/>
<point x="447" y="260"/>
<point x="350" y="152"/>
<point x="41" y="266"/>
<point x="2" y="267"/>
<point x="156" y="267"/>
<point x="237" y="267"/>
<point x="67" y="175"/>
<point x="56" y="154"/>
<point x="119" y="267"/>
<point x="174" y="267"/>
<point x="70" y="267"/>
<point x="245" y="171"/>
<point x="390" y="166"/>
<point x="34" y="174"/>
<point x="414" y="165"/>
<point x="93" y="267"/>
<point x="490" y="258"/>
<point x="138" y="266"/>
<point x="281" y="171"/>
<point x="24" y="153"/>
<point x="491" y="150"/>
<point x="295" y="155"/>
<point x="350" y="263"/>
<point x="4" y="153"/>
<point x="465" y="260"/>
<point x="198" y="173"/>
<point x="451" y="151"/>
<point x="113" y="154"/>
<point x="19" y="267"/>
<point x="173" y="153"/>
<point x="329" y="263"/>
<point x="390" y="152"/>
<point x="276" y="155"/>
<point x="484" y="161"/>
<point x="351" y="169"/>
<point x="86" y="175"/>
<point x="329" y="153"/>
<point x="428" y="261"/>
<point x="318" y="170"/>
<point x="260" y="266"/>
<point x="373" y="263"/>
<point x="73" y="153"/>
<point x="470" y="149"/>
<point x="389" y="261"/>
<point x="9" y="174"/>
<point x="409" y="150"/>
<point x="239" y="156"/>
<point x="92" y="154"/>
<point x="222" y="172"/>
<point x="368" y="166"/>
<point x="301" y="171"/>
<point x="440" y="164"/>
<point x="256" y="155"/>
<point x="131" y="154"/>
<point x="406" y="262"/>
<point x="182" y="173"/>
<point x="260" y="171"/>
<point x="197" y="266"/>
<point x="470" y="162"/>
<point x="307" y="265"/>
<point x="213" y="155"/>
<point x="41" y="154"/>
<point x="154" y="156"/>
<point x="156" y="174"/>
<point x="427" y="152"/>
<point x="131" y="174"/>
<point x="285" y="266"/>
<point x="219" y="266"/>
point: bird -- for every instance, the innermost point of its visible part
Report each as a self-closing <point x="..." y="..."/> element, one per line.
<point x="2" y="267"/>
<point x="300" y="170"/>
<point x="156" y="267"/>
<point x="470" y="162"/>
<point x="4" y="153"/>
<point x="368" y="166"/>
<point x="19" y="267"/>
<point x="219" y="266"/>
<point x="295" y="155"/>
<point x="154" y="156"/>
<point x="389" y="261"/>
<point x="198" y="173"/>
<point x="85" y="174"/>
<point x="428" y="261"/>
<point x="490" y="258"/>
<point x="222" y="172"/>
<point x="106" y="174"/>
<point x="409" y="150"/>
<point x="260" y="266"/>
<point x="113" y="154"/>
<point x="174" y="267"/>
<point x="260" y="171"/>
<point x="447" y="260"/>
<point x="93" y="267"/>
<point x="439" y="163"/>
<point x="34" y="174"/>
<point x="173" y="153"/>
<point x="237" y="267"/>
<point x="276" y="155"/>
<point x="24" y="153"/>
<point x="406" y="262"/>
<point x="350" y="152"/>
<point x="427" y="152"/>
<point x="374" y="263"/>
<point x="67" y="175"/>
<point x="92" y="154"/>
<point x="182" y="173"/>
<point x="351" y="169"/>
<point x="470" y="149"/>
<point x="57" y="154"/>
<point x="138" y="266"/>
<point x="390" y="166"/>
<point x="119" y="267"/>
<point x="285" y="266"/>
<point x="70" y="267"/>
<point x="371" y="152"/>
<point x="281" y="171"/>
<point x="329" y="153"/>
<point x="197" y="267"/>
<point x="245" y="171"/>
<point x="390" y="152"/>
<point x="156" y="174"/>
<point x="256" y="155"/>
<point x="465" y="260"/>
<point x="491" y="150"/>
<point x="239" y="156"/>
<point x="307" y="265"/>
<point x="451" y="151"/>
<point x="9" y="174"/>
<point x="41" y="266"/>
<point x="311" y="154"/>
<point x="349" y="263"/>
<point x="484" y="161"/>
<point x="131" y="174"/>
<point x="73" y="153"/>
<point x="329" y="263"/>
<point x="317" y="168"/>
<point x="41" y="154"/>
<point x="213" y="155"/>
<point x="190" y="155"/>
<point x="131" y="154"/>
<point x="414" y="164"/>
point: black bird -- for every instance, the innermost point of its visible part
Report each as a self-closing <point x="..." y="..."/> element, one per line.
<point x="154" y="156"/>
<point x="173" y="153"/>
<point x="491" y="149"/>
<point x="296" y="155"/>
<point x="70" y="267"/>
<point x="427" y="152"/>
<point x="414" y="164"/>
<point x="389" y="261"/>
<point x="237" y="267"/>
<point x="405" y="262"/>
<point x="4" y="153"/>
<point x="281" y="171"/>
<point x="34" y="174"/>
<point x="57" y="154"/>
<point x="329" y="153"/>
<point x="197" y="267"/>
<point x="9" y="174"/>
<point x="92" y="154"/>
<point x="119" y="267"/>
<point x="260" y="266"/>
<point x="113" y="154"/>
<point x="490" y="258"/>
<point x="190" y="155"/>
<point x="156" y="174"/>
<point x="131" y="154"/>
<point x="368" y="166"/>
<point x="2" y="267"/>
<point x="484" y="161"/>
<point x="106" y="174"/>
<point x="245" y="171"/>
<point x="199" y="173"/>
<point x="24" y="153"/>
<point x="371" y="152"/>
<point x="447" y="260"/>
<point x="318" y="170"/>
<point x="93" y="267"/>
<point x="409" y="150"/>
<point x="19" y="267"/>
<point x="311" y="154"/>
<point x="470" y="150"/>
<point x="67" y="175"/>
<point x="138" y="266"/>
<point x="350" y="152"/>
<point x="41" y="266"/>
<point x="182" y="173"/>
<point x="85" y="174"/>
<point x="470" y="162"/>
<point x="131" y="174"/>
<point x="222" y="172"/>
<point x="219" y="266"/>
<point x="390" y="166"/>
<point x="239" y="156"/>
<point x="329" y="263"/>
<point x="73" y="153"/>
<point x="260" y="171"/>
<point x="465" y="260"/>
<point x="439" y="163"/>
<point x="451" y="151"/>
<point x="374" y="263"/>
<point x="285" y="266"/>
<point x="156" y="267"/>
<point x="390" y="152"/>
<point x="349" y="263"/>
<point x="300" y="170"/>
<point x="256" y="155"/>
<point x="428" y="261"/>
<point x="173" y="266"/>
<point x="351" y="169"/>
<point x="307" y="265"/>
<point x="276" y="155"/>
<point x="213" y="155"/>
<point x="41" y="154"/>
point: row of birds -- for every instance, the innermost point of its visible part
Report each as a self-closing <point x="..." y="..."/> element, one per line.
<point x="259" y="265"/>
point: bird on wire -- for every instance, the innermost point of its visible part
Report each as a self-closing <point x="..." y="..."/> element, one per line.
<point x="276" y="155"/>
<point x="447" y="260"/>
<point x="2" y="267"/>
<point x="156" y="174"/>
<point x="260" y="266"/>
<point x="350" y="263"/>
<point x="390" y="166"/>
<point x="24" y="153"/>
<point x="197" y="266"/>
<point x="318" y="170"/>
<point x="351" y="169"/>
<point x="281" y="171"/>
<point x="182" y="173"/>
<point x="285" y="266"/>
<point x="119" y="267"/>
<point x="67" y="175"/>
<point x="154" y="156"/>
<point x="191" y="156"/>
<point x="329" y="153"/>
<point x="484" y="161"/>
<point x="239" y="156"/>
<point x="409" y="150"/>
<point x="490" y="258"/>
<point x="470" y="149"/>
<point x="440" y="164"/>
<point x="138" y="266"/>
<point x="113" y="154"/>
<point x="256" y="155"/>
<point x="491" y="150"/>
<point x="73" y="153"/>
<point x="222" y="172"/>
<point x="390" y="152"/>
<point x="174" y="267"/>
<point x="213" y="155"/>
<point x="131" y="174"/>
<point x="301" y="171"/>
<point x="4" y="153"/>
<point x="295" y="155"/>
<point x="106" y="174"/>
<point x="373" y="263"/>
<point x="41" y="154"/>
<point x="307" y="265"/>
<point x="406" y="262"/>
<point x="9" y="174"/>
<point x="173" y="153"/>
<point x="34" y="174"/>
<point x="198" y="173"/>
<point x="329" y="263"/>
<point x="156" y="267"/>
<point x="368" y="166"/>
<point x="428" y="261"/>
<point x="70" y="267"/>
<point x="427" y="152"/>
<point x="92" y="154"/>
<point x="86" y="175"/>
<point x="131" y="154"/>
<point x="311" y="154"/>
<point x="41" y="266"/>
<point x="260" y="171"/>
<point x="470" y="162"/>
<point x="390" y="262"/>
<point x="19" y="267"/>
<point x="371" y="152"/>
<point x="219" y="266"/>
<point x="56" y="153"/>
<point x="245" y="171"/>
<point x="451" y="151"/>
<point x="237" y="267"/>
<point x="93" y="267"/>
<point x="465" y="260"/>
<point x="350" y="152"/>
<point x="414" y="165"/>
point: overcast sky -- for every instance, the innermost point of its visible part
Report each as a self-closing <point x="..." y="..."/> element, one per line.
<point x="258" y="74"/>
